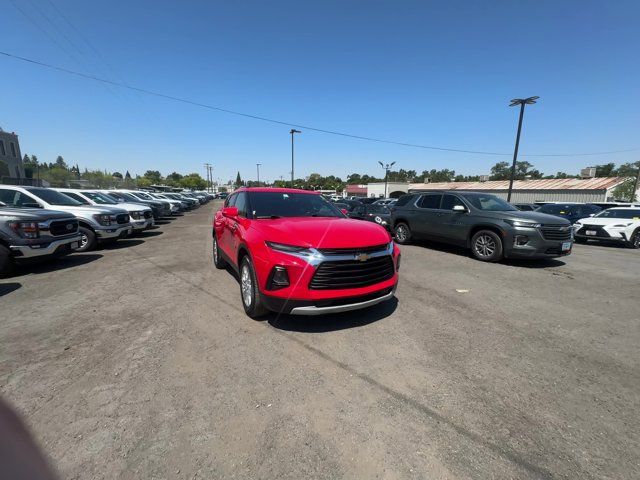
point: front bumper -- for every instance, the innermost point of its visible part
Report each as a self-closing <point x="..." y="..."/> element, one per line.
<point x="537" y="245"/>
<point x="66" y="245"/>
<point x="105" y="233"/>
<point x="327" y="306"/>
<point x="140" y="225"/>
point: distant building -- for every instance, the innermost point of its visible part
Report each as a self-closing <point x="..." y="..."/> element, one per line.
<point x="10" y="156"/>
<point x="528" y="191"/>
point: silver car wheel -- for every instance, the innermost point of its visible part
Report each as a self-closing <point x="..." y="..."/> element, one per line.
<point x="83" y="240"/>
<point x="401" y="233"/>
<point x="215" y="250"/>
<point x="485" y="246"/>
<point x="246" y="285"/>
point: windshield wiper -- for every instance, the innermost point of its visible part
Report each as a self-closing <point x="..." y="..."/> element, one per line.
<point x="271" y="217"/>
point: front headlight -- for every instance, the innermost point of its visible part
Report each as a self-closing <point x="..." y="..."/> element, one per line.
<point x="136" y="215"/>
<point x="281" y="247"/>
<point x="622" y="225"/>
<point x="522" y="224"/>
<point x="103" y="219"/>
<point x="26" y="229"/>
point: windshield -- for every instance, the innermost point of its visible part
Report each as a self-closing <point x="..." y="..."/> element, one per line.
<point x="100" y="198"/>
<point x="285" y="204"/>
<point x="142" y="195"/>
<point x="488" y="202"/>
<point x="626" y="213"/>
<point x="377" y="208"/>
<point x="53" y="198"/>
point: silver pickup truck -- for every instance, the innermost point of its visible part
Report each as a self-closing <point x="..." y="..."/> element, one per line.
<point x="96" y="224"/>
<point x="28" y="234"/>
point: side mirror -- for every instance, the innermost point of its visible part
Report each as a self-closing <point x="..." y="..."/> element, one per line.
<point x="344" y="211"/>
<point x="230" y="212"/>
<point x="592" y="214"/>
<point x="459" y="208"/>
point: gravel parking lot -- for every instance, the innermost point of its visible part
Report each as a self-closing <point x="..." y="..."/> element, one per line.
<point x="137" y="361"/>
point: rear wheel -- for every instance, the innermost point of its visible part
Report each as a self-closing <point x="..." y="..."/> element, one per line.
<point x="218" y="261"/>
<point x="88" y="240"/>
<point x="249" y="291"/>
<point x="6" y="261"/>
<point x="634" y="242"/>
<point x="486" y="246"/>
<point x="403" y="233"/>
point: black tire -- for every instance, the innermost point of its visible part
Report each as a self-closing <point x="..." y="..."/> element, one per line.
<point x="581" y="240"/>
<point x="402" y="233"/>
<point x="218" y="261"/>
<point x="486" y="246"/>
<point x="88" y="241"/>
<point x="634" y="241"/>
<point x="249" y="292"/>
<point x="6" y="261"/>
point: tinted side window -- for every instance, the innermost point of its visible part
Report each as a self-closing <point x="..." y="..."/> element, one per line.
<point x="7" y="196"/>
<point x="241" y="204"/>
<point x="403" y="200"/>
<point x="76" y="197"/>
<point x="430" y="200"/>
<point x="230" y="201"/>
<point x="450" y="201"/>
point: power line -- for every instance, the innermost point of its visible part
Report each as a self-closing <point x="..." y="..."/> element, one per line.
<point x="289" y="124"/>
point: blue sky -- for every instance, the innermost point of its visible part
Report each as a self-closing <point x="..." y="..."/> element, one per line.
<point x="431" y="73"/>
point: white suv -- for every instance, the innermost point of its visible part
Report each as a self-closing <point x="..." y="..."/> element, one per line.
<point x="612" y="225"/>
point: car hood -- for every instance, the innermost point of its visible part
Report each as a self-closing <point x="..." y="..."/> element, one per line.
<point x="83" y="210"/>
<point x="530" y="216"/>
<point x="606" y="221"/>
<point x="38" y="214"/>
<point x="133" y="207"/>
<point x="319" y="232"/>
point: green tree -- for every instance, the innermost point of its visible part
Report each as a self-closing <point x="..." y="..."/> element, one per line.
<point x="127" y="176"/>
<point x="143" y="182"/>
<point x="117" y="175"/>
<point x="60" y="163"/>
<point x="606" y="170"/>
<point x="193" y="181"/>
<point x="500" y="171"/>
<point x="625" y="191"/>
<point x="627" y="169"/>
<point x="238" y="180"/>
<point x="153" y="175"/>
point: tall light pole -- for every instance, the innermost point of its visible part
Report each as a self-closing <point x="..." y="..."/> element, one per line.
<point x="258" y="169"/>
<point x="292" y="132"/>
<point x="386" y="174"/>
<point x="522" y="102"/>
<point x="209" y="173"/>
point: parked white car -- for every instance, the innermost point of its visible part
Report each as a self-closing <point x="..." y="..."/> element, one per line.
<point x="141" y="217"/>
<point x="620" y="225"/>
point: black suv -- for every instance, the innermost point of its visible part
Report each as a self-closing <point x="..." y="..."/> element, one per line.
<point x="488" y="225"/>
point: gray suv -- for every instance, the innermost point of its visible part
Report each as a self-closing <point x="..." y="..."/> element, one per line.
<point x="30" y="233"/>
<point x="488" y="225"/>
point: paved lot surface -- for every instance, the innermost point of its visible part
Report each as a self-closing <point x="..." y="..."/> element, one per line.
<point x="137" y="361"/>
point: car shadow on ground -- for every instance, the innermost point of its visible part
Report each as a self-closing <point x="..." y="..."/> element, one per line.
<point x="513" y="262"/>
<point x="162" y="222"/>
<point x="149" y="234"/>
<point x="334" y="322"/>
<point x="123" y="243"/>
<point x="53" y="265"/>
<point x="7" y="288"/>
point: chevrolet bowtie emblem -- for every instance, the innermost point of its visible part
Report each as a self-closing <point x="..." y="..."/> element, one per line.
<point x="362" y="257"/>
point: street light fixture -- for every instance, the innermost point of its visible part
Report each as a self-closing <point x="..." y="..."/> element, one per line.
<point x="386" y="174"/>
<point x="258" y="169"/>
<point x="522" y="102"/>
<point x="292" y="132"/>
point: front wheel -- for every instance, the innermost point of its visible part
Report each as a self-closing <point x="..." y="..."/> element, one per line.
<point x="218" y="261"/>
<point x="6" y="261"/>
<point x="403" y="233"/>
<point x="486" y="246"/>
<point x="88" y="240"/>
<point x="249" y="291"/>
<point x="634" y="242"/>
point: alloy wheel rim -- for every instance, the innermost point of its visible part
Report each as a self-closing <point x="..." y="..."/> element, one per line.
<point x="485" y="246"/>
<point x="84" y="240"/>
<point x="636" y="240"/>
<point x="215" y="250"/>
<point x="245" y="284"/>
<point x="400" y="233"/>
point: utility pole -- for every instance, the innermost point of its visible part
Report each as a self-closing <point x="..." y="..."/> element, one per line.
<point x="258" y="169"/>
<point x="292" y="132"/>
<point x="522" y="102"/>
<point x="386" y="174"/>
<point x="209" y="173"/>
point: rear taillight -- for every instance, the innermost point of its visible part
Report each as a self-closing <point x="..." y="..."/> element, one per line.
<point x="26" y="229"/>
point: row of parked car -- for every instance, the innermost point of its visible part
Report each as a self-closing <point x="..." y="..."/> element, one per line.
<point x="41" y="223"/>
<point x="493" y="228"/>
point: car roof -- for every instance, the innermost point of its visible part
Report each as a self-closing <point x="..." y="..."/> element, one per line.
<point x="276" y="190"/>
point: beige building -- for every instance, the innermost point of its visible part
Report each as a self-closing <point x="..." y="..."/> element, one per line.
<point x="10" y="156"/>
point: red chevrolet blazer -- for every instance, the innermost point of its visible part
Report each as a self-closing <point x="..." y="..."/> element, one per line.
<point x="297" y="253"/>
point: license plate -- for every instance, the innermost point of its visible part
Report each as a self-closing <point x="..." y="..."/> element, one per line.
<point x="75" y="245"/>
<point x="591" y="232"/>
<point x="566" y="246"/>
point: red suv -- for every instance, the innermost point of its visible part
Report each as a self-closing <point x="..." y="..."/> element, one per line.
<point x="297" y="253"/>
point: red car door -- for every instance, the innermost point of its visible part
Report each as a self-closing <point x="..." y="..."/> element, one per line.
<point x="223" y="230"/>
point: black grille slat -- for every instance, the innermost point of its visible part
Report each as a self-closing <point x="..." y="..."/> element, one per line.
<point x="122" y="218"/>
<point x="60" y="227"/>
<point x="556" y="232"/>
<point x="147" y="214"/>
<point x="352" y="273"/>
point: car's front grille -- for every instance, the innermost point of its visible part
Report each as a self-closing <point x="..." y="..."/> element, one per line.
<point x="63" y="227"/>
<point x="352" y="251"/>
<point x="556" y="232"/>
<point x="600" y="232"/>
<point x="336" y="275"/>
<point x="147" y="214"/>
<point x="122" y="218"/>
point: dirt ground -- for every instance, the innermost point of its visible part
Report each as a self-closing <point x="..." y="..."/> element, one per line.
<point x="137" y="361"/>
